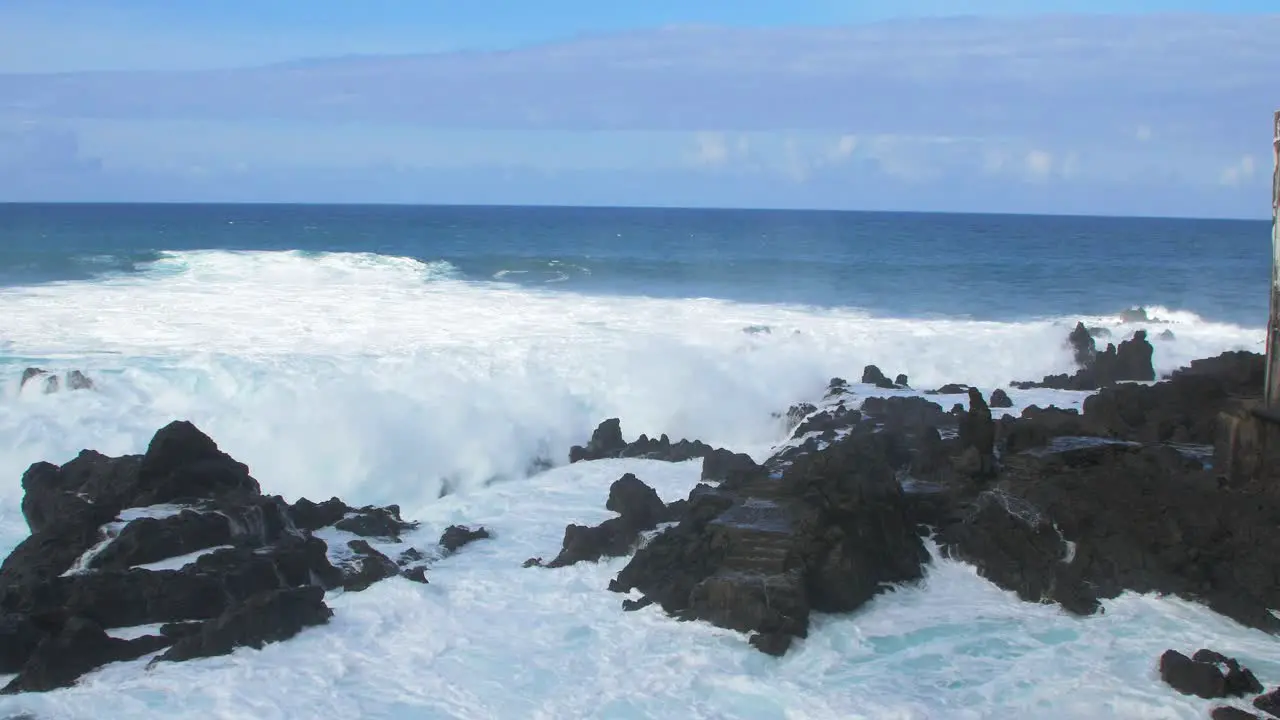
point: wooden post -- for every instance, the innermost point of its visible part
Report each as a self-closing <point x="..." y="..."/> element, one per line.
<point x="1272" y="395"/>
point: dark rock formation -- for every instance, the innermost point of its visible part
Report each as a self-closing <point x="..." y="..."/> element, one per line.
<point x="456" y="536"/>
<point x="1130" y="517"/>
<point x="872" y="375"/>
<point x="268" y="617"/>
<point x="759" y="555"/>
<point x="74" y="380"/>
<point x="80" y="645"/>
<point x="1131" y="361"/>
<point x="259" y="576"/>
<point x="1189" y="677"/>
<point x="607" y="442"/>
<point x="375" y="522"/>
<point x="901" y="381"/>
<point x="950" y="389"/>
<point x="1000" y="399"/>
<point x="1269" y="703"/>
<point x="639" y="509"/>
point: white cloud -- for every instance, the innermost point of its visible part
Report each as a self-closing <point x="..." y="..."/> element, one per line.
<point x="1238" y="172"/>
<point x="712" y="149"/>
<point x="1039" y="164"/>
<point x="844" y="148"/>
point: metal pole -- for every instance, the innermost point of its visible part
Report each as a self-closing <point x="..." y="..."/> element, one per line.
<point x="1272" y="396"/>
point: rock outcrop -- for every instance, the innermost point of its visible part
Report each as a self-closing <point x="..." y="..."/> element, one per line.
<point x="51" y="382"/>
<point x="607" y="442"/>
<point x="180" y="535"/>
<point x="1129" y="362"/>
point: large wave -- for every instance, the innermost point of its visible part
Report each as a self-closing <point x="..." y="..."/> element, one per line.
<point x="387" y="379"/>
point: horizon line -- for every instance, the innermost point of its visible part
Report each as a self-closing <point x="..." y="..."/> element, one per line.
<point x="685" y="208"/>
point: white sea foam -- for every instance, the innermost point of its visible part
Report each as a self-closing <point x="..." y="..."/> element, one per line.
<point x="385" y="380"/>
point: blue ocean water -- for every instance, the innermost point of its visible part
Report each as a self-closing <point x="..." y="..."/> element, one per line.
<point x="984" y="267"/>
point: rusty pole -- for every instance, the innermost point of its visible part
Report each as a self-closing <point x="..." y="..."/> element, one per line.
<point x="1272" y="396"/>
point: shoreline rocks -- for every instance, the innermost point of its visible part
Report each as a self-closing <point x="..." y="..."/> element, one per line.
<point x="1128" y="362"/>
<point x="183" y="536"/>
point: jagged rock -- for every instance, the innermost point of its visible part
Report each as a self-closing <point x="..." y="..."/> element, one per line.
<point x="872" y="375"/>
<point x="79" y="646"/>
<point x="1146" y="519"/>
<point x="607" y="442"/>
<point x="412" y="555"/>
<point x="1131" y="361"/>
<point x="950" y="389"/>
<point x="836" y="387"/>
<point x="1189" y="677"/>
<point x="267" y="617"/>
<point x="639" y="509"/>
<point x="261" y="559"/>
<point x="828" y="421"/>
<point x="456" y="536"/>
<point x="723" y="466"/>
<point x="760" y="557"/>
<point x="367" y="567"/>
<point x="1000" y="399"/>
<point x="1269" y="703"/>
<point x="978" y="437"/>
<point x="77" y="380"/>
<point x="416" y="574"/>
<point x="311" y="516"/>
<point x="901" y="381"/>
<point x="375" y="522"/>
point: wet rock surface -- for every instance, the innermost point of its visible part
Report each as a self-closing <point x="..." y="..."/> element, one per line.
<point x="181" y="535"/>
<point x="607" y="442"/>
<point x="1058" y="506"/>
<point x="1128" y="362"/>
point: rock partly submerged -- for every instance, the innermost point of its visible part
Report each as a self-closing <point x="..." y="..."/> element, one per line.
<point x="182" y="536"/>
<point x="1058" y="506"/>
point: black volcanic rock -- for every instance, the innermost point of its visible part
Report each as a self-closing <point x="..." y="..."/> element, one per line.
<point x="267" y="617"/>
<point x="761" y="556"/>
<point x="79" y="646"/>
<point x="1269" y="703"/>
<point x="872" y="375"/>
<point x="1130" y="517"/>
<point x="375" y="522"/>
<point x="261" y="577"/>
<point x="1000" y="399"/>
<point x="1130" y="362"/>
<point x="456" y="536"/>
<point x="639" y="509"/>
<point x="367" y="567"/>
<point x="1189" y="677"/>
<point x="74" y="380"/>
<point x="607" y="442"/>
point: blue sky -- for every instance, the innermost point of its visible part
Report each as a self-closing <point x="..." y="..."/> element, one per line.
<point x="808" y="103"/>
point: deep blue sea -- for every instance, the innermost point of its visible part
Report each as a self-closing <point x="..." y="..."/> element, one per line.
<point x="441" y="358"/>
<point x="990" y="267"/>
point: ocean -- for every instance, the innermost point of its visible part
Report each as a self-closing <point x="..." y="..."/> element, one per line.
<point x="432" y="356"/>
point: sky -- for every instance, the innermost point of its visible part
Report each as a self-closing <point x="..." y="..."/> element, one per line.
<point x="1146" y="107"/>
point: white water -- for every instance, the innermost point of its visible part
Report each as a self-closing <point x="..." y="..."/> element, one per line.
<point x="376" y="379"/>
